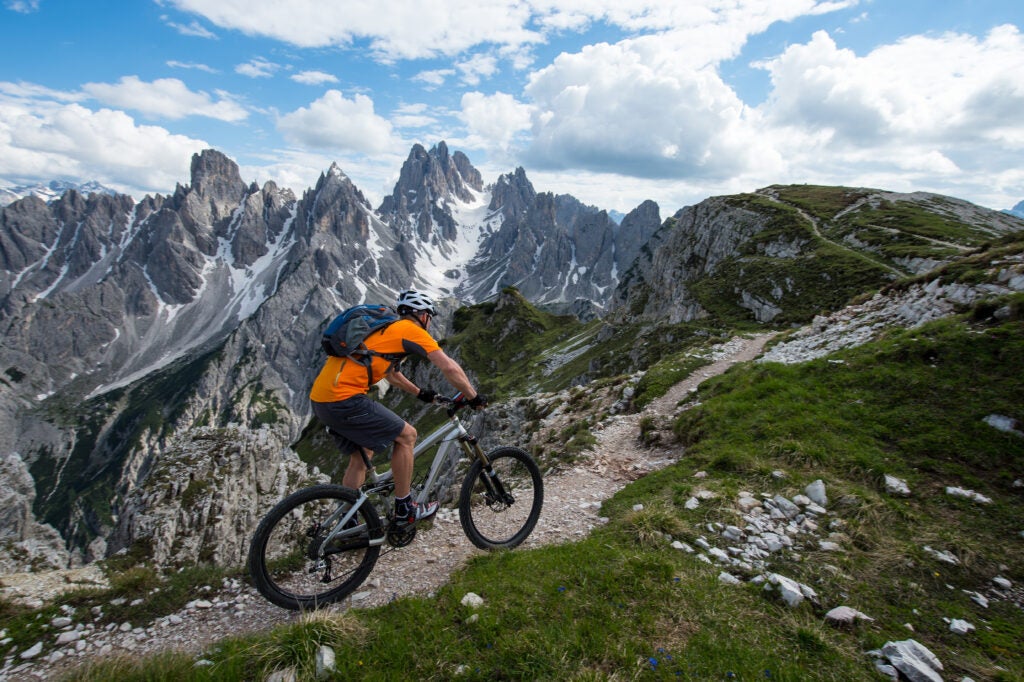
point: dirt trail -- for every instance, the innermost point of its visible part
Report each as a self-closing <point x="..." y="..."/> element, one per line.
<point x="572" y="500"/>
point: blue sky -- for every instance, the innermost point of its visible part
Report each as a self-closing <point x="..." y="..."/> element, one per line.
<point x="613" y="101"/>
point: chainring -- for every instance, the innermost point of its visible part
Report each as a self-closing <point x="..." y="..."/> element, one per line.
<point x="400" y="537"/>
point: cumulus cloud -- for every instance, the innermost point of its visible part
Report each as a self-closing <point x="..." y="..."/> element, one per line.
<point x="313" y="78"/>
<point x="494" y="121"/>
<point x="632" y="109"/>
<point x="395" y="29"/>
<point x="934" y="104"/>
<point x="335" y="123"/>
<point x="165" y="98"/>
<point x="477" y="67"/>
<point x="258" y="68"/>
<point x="47" y="139"/>
<point x="435" y="78"/>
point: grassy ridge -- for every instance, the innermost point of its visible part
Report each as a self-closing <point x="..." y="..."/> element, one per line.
<point x="623" y="605"/>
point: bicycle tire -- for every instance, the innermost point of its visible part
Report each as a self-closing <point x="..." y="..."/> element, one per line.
<point x="491" y="522"/>
<point x="282" y="555"/>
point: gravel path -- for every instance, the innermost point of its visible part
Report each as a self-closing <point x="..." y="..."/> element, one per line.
<point x="572" y="500"/>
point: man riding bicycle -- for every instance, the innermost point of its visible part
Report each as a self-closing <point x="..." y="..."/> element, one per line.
<point x="340" y="401"/>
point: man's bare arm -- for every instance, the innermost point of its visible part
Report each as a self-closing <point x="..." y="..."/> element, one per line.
<point x="454" y="373"/>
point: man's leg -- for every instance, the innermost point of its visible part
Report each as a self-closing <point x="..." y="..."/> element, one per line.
<point x="355" y="474"/>
<point x="401" y="460"/>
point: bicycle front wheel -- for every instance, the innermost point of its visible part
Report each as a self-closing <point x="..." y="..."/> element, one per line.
<point x="499" y="505"/>
<point x="285" y="560"/>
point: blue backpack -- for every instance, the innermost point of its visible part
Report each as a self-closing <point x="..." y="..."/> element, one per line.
<point x="345" y="335"/>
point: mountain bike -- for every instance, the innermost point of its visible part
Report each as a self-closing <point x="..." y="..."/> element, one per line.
<point x="320" y="543"/>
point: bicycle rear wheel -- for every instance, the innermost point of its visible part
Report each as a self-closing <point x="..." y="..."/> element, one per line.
<point x="284" y="559"/>
<point x="499" y="506"/>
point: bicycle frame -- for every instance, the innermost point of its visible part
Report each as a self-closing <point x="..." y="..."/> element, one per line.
<point x="445" y="437"/>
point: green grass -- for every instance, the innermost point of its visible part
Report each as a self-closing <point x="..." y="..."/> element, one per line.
<point x="622" y="604"/>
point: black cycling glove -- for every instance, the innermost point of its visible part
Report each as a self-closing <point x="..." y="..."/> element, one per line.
<point x="477" y="402"/>
<point x="427" y="395"/>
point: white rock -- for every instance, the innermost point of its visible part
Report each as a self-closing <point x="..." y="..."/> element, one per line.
<point x="325" y="661"/>
<point x="747" y="504"/>
<point x="896" y="486"/>
<point x="68" y="637"/>
<point x="472" y="600"/>
<point x="827" y="546"/>
<point x="784" y="505"/>
<point x="682" y="546"/>
<point x="788" y="589"/>
<point x="960" y="627"/>
<point x="942" y="555"/>
<point x="32" y="651"/>
<point x="729" y="579"/>
<point x="816" y="491"/>
<point x="914" y="660"/>
<point x="978" y="598"/>
<point x="60" y="622"/>
<point x="968" y="495"/>
<point x="692" y="503"/>
<point x="719" y="554"/>
<point x="1002" y="423"/>
<point x="887" y="670"/>
<point x="846" y="615"/>
<point x="1002" y="583"/>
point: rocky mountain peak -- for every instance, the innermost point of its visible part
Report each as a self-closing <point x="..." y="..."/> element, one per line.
<point x="427" y="178"/>
<point x="636" y="229"/>
<point x="216" y="177"/>
<point x="513" y="193"/>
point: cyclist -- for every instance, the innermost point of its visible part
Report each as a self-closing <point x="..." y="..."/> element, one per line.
<point x="340" y="401"/>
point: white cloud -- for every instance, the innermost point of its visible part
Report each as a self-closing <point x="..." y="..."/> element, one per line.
<point x="313" y="78"/>
<point x="194" y="29"/>
<point x="258" y="68"/>
<point x="22" y="6"/>
<point x="495" y="120"/>
<point x="413" y="116"/>
<point x="174" y="64"/>
<point x="435" y="78"/>
<point x="166" y="98"/>
<point x="48" y="140"/>
<point x="633" y="109"/>
<point x="476" y="67"/>
<point x="932" y="108"/>
<point x="333" y="123"/>
<point x="395" y="29"/>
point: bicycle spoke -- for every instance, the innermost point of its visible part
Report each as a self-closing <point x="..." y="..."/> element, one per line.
<point x="285" y="558"/>
<point x="501" y="511"/>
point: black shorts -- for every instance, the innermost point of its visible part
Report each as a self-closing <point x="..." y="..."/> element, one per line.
<point x="359" y="422"/>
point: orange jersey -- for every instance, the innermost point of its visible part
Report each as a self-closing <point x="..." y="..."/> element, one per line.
<point x="342" y="378"/>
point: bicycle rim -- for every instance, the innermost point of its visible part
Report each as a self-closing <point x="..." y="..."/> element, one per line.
<point x="491" y="521"/>
<point x="283" y="556"/>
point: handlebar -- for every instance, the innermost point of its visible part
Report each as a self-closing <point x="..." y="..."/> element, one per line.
<point x="454" y="403"/>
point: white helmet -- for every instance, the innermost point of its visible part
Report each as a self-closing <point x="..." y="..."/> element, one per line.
<point x="414" y="301"/>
